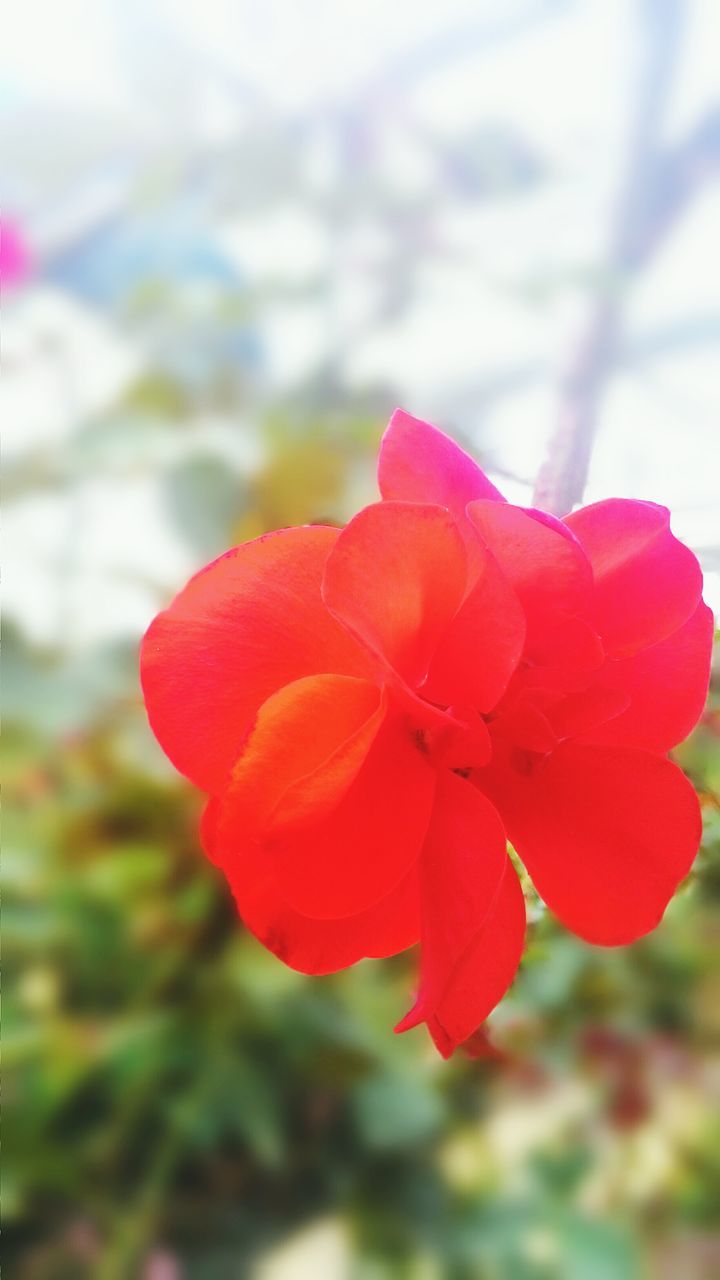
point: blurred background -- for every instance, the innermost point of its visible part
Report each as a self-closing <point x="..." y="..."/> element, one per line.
<point x="236" y="233"/>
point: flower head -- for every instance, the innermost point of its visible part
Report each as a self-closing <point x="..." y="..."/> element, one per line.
<point x="373" y="712"/>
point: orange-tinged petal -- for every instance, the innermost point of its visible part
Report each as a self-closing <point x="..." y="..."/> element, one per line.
<point x="248" y="624"/>
<point x="307" y="745"/>
<point x="366" y="845"/>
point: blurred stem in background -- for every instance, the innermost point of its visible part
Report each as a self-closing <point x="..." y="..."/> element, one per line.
<point x="658" y="181"/>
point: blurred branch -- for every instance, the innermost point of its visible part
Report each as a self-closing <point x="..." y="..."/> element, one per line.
<point x="656" y="188"/>
<point x="687" y="333"/>
<point x="482" y="32"/>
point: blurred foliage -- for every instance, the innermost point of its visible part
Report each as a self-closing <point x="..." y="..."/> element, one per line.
<point x="180" y="1103"/>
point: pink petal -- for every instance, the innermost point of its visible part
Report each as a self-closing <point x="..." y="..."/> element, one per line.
<point x="647" y="584"/>
<point x="665" y="687"/>
<point x="418" y="463"/>
<point x="551" y="576"/>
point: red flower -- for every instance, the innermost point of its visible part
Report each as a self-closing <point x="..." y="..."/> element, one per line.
<point x="372" y="711"/>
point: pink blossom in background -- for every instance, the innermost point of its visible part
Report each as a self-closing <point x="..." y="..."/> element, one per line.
<point x="16" y="260"/>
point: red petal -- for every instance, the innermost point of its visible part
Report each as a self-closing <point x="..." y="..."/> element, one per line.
<point x="488" y="967"/>
<point x="551" y="576"/>
<point x="667" y="686"/>
<point x="313" y="946"/>
<point x="607" y="834"/>
<point x="363" y="848"/>
<point x="562" y="647"/>
<point x="525" y="725"/>
<point x="472" y="915"/>
<point x="482" y="646"/>
<point x="418" y="463"/>
<point x="395" y="579"/>
<point x="547" y="568"/>
<point x="647" y="584"/>
<point x="588" y="710"/>
<point x="464" y="744"/>
<point x="247" y="624"/>
<point x="306" y="747"/>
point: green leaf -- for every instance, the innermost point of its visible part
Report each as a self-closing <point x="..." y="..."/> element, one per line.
<point x="392" y="1110"/>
